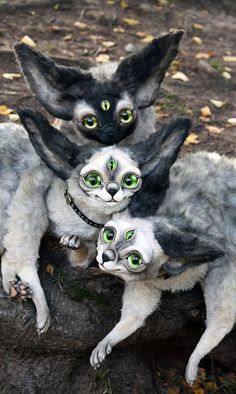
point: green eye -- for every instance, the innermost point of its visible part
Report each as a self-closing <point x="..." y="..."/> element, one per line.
<point x="92" y="179"/>
<point x="90" y="122"/>
<point x="130" y="181"/>
<point x="129" y="235"/>
<point x="105" y="105"/>
<point x="126" y="116"/>
<point x="134" y="260"/>
<point x="112" y="164"/>
<point x="108" y="235"/>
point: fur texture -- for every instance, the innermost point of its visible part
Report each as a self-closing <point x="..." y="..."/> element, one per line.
<point x="78" y="96"/>
<point x="191" y="238"/>
<point x="101" y="181"/>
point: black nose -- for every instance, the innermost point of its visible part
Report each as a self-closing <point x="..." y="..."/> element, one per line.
<point x="112" y="192"/>
<point x="108" y="255"/>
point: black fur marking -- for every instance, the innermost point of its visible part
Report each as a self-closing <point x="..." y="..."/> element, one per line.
<point x="158" y="153"/>
<point x="183" y="244"/>
<point x="149" y="65"/>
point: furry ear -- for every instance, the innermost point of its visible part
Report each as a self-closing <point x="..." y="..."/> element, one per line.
<point x="142" y="72"/>
<point x="50" y="144"/>
<point x="187" y="245"/>
<point x="156" y="155"/>
<point x="51" y="82"/>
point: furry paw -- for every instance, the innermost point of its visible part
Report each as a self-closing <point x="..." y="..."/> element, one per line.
<point x="19" y="290"/>
<point x="43" y="322"/>
<point x="70" y="241"/>
<point x="191" y="372"/>
<point x="100" y="352"/>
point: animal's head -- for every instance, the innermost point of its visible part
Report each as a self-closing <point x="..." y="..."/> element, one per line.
<point x="104" y="105"/>
<point x="136" y="249"/>
<point x="109" y="175"/>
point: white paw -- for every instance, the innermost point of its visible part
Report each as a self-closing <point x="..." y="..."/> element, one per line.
<point x="191" y="372"/>
<point x="71" y="241"/>
<point x="43" y="322"/>
<point x="100" y="352"/>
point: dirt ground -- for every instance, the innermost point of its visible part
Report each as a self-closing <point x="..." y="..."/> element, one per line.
<point x="207" y="56"/>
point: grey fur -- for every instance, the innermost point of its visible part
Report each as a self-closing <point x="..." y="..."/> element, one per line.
<point x="32" y="196"/>
<point x="196" y="219"/>
<point x="136" y="80"/>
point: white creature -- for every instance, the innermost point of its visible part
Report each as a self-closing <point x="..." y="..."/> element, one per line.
<point x="95" y="181"/>
<point x="174" y="249"/>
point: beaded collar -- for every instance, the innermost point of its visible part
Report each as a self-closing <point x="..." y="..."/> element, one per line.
<point x="70" y="202"/>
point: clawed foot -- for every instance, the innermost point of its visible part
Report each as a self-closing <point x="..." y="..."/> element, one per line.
<point x="100" y="352"/>
<point x="19" y="290"/>
<point x="191" y="372"/>
<point x="43" y="323"/>
<point x="70" y="241"/>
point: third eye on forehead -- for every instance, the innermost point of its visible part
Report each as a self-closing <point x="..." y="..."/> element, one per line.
<point x="112" y="164"/>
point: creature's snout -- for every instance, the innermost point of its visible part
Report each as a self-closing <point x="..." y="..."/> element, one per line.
<point x="112" y="188"/>
<point x="109" y="254"/>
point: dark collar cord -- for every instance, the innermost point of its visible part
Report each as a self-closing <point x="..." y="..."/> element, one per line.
<point x="70" y="201"/>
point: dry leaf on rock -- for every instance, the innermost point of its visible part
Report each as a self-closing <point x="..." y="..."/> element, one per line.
<point x="140" y="34"/>
<point x="180" y="76"/>
<point x="50" y="269"/>
<point x="232" y="121"/>
<point x="108" y="44"/>
<point x="205" y="112"/>
<point x="11" y="76"/>
<point x="123" y="4"/>
<point x="14" y="117"/>
<point x="27" y="40"/>
<point x="131" y="21"/>
<point x="229" y="58"/>
<point x="197" y="40"/>
<point x="214" y="129"/>
<point x="148" y="38"/>
<point x="4" y="110"/>
<point x="67" y="37"/>
<point x="191" y="139"/>
<point x="198" y="26"/>
<point x="81" y="25"/>
<point x="102" y="58"/>
<point x="202" y="56"/>
<point x="226" y="75"/>
<point x="217" y="103"/>
<point x="118" y="29"/>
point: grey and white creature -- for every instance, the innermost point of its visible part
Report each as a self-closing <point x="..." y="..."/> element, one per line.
<point x="172" y="250"/>
<point x="108" y="103"/>
<point x="99" y="182"/>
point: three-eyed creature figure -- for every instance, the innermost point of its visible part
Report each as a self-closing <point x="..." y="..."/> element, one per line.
<point x="108" y="103"/>
<point x="174" y="249"/>
<point x="73" y="195"/>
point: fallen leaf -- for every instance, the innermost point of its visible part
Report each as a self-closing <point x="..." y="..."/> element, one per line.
<point x="4" y="110"/>
<point x="229" y="58"/>
<point x="163" y="2"/>
<point x="192" y="139"/>
<point x="123" y="4"/>
<point x="148" y="38"/>
<point x="108" y="44"/>
<point x="131" y="21"/>
<point x="232" y="121"/>
<point x="68" y="37"/>
<point x="226" y="75"/>
<point x="54" y="28"/>
<point x="14" y="117"/>
<point x="205" y="111"/>
<point x="198" y="26"/>
<point x="50" y="269"/>
<point x="211" y="386"/>
<point x="118" y="29"/>
<point x="197" y="40"/>
<point x="214" y="129"/>
<point x="173" y="390"/>
<point x="11" y="76"/>
<point x="140" y="34"/>
<point x="28" y="41"/>
<point x="217" y="103"/>
<point x="202" y="56"/>
<point x="81" y="25"/>
<point x="180" y="76"/>
<point x="102" y="58"/>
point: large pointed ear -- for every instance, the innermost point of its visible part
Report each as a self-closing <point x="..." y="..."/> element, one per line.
<point x="185" y="248"/>
<point x="56" y="151"/>
<point x="52" y="83"/>
<point x="142" y="72"/>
